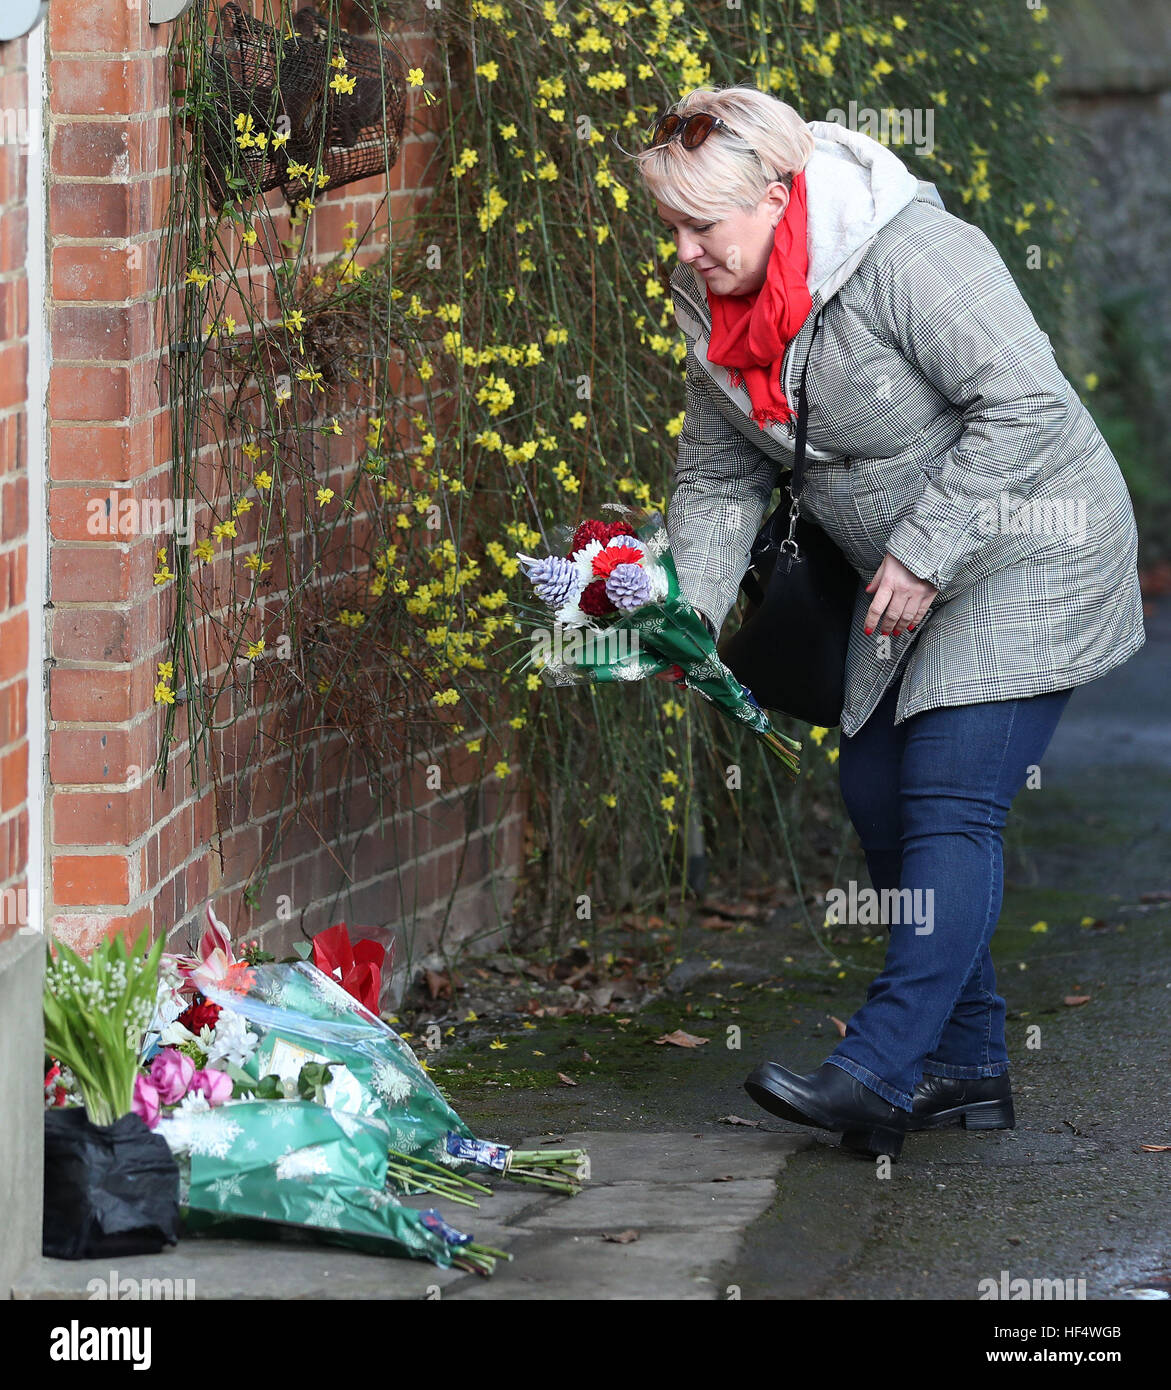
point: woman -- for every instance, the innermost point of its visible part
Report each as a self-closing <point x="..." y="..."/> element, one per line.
<point x="951" y="462"/>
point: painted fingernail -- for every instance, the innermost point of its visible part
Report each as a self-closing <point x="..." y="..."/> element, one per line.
<point x="910" y="627"/>
<point x="867" y="632"/>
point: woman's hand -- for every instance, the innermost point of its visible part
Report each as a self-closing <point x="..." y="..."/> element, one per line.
<point x="900" y="598"/>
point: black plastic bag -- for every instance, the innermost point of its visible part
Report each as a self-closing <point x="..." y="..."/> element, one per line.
<point x="109" y="1189"/>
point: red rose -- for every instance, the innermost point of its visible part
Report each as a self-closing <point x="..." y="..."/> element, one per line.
<point x="595" y="600"/>
<point x="202" y="1014"/>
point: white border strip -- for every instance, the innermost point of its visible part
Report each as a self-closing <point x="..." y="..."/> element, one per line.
<point x="36" y="434"/>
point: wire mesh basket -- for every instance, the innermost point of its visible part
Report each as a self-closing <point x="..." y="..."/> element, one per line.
<point x="267" y="85"/>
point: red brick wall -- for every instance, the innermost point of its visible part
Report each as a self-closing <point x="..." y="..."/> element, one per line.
<point x="14" y="630"/>
<point x="125" y="852"/>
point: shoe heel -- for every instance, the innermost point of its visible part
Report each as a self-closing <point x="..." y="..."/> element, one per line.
<point x="874" y="1142"/>
<point x="989" y="1114"/>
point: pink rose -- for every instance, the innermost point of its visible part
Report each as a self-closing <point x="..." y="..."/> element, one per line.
<point x="146" y="1101"/>
<point x="171" y="1072"/>
<point x="216" y="1086"/>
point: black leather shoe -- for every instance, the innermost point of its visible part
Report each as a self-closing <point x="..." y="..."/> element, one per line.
<point x="830" y="1098"/>
<point x="983" y="1102"/>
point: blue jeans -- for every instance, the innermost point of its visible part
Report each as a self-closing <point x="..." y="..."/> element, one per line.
<point x="929" y="799"/>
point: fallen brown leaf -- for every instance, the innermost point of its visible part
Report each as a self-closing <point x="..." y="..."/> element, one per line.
<point x="622" y="1237"/>
<point x="736" y="1120"/>
<point x="1074" y="999"/>
<point x="715" y="924"/>
<point x="681" y="1039"/>
<point x="1155" y="1148"/>
<point x="839" y="1025"/>
<point x="566" y="1080"/>
<point x="438" y="986"/>
<point x="727" y="1177"/>
<point x="735" y="910"/>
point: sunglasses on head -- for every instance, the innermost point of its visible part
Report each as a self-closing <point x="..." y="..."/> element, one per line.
<point x="692" y="130"/>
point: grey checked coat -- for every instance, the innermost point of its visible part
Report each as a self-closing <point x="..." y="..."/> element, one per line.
<point x="941" y="430"/>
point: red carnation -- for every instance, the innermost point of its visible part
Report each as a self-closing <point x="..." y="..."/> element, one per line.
<point x="619" y="528"/>
<point x="595" y="601"/>
<point x="586" y="532"/>
<point x="202" y="1014"/>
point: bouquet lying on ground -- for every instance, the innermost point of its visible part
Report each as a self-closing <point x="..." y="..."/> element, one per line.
<point x="619" y="616"/>
<point x="287" y="1099"/>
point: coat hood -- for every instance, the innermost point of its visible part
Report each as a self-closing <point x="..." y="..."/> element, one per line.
<point x="854" y="185"/>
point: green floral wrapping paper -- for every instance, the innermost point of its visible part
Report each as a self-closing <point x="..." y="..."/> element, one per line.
<point x="302" y="1164"/>
<point x="320" y="1163"/>
<point x="300" y="1014"/>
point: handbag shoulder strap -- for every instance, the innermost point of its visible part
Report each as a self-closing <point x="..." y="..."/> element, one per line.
<point x="798" y="479"/>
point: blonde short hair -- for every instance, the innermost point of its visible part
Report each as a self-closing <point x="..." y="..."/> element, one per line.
<point x="728" y="172"/>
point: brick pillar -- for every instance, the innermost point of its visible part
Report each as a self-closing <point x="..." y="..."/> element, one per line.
<point x="21" y="693"/>
<point x="14" y="617"/>
<point x="108" y="438"/>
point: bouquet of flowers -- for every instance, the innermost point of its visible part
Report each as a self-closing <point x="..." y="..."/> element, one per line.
<point x="618" y="615"/>
<point x="286" y="1098"/>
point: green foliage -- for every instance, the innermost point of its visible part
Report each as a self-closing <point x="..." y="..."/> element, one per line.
<point x="96" y="1011"/>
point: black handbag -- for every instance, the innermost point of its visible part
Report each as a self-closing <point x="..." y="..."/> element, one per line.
<point x="790" y="650"/>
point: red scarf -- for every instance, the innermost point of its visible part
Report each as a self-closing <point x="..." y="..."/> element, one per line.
<point x="750" y="331"/>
